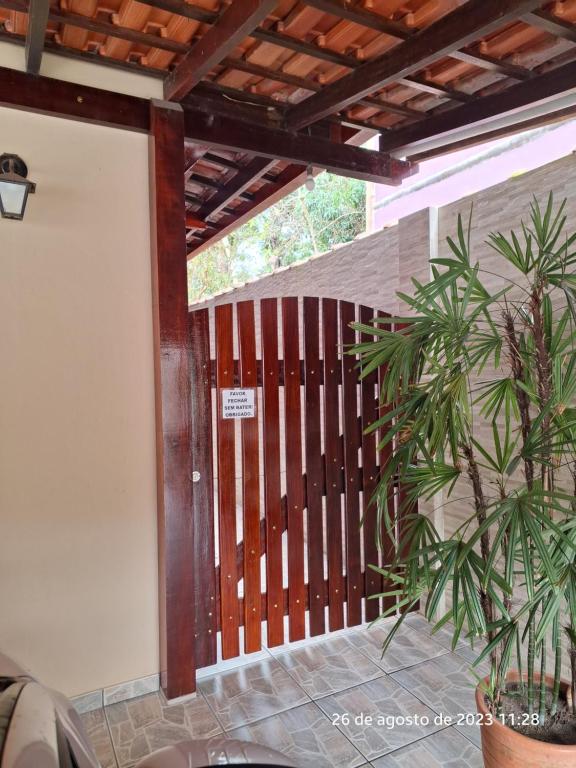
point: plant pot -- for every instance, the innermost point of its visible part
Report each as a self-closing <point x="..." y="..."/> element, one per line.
<point x="502" y="747"/>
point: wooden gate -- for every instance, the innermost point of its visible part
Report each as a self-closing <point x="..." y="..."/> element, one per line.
<point x="279" y="497"/>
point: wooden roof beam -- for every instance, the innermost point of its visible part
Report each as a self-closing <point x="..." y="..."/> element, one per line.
<point x="552" y="24"/>
<point x="499" y="132"/>
<point x="379" y="23"/>
<point x="360" y="16"/>
<point x="306" y="84"/>
<point x="271" y="36"/>
<point x="192" y="222"/>
<point x="287" y="180"/>
<point x="363" y="17"/>
<point x="540" y="89"/>
<point x="216" y="99"/>
<point x="219" y="186"/>
<point x="436" y="89"/>
<point x="223" y="162"/>
<point x="247" y="108"/>
<point x="456" y="30"/>
<point x="198" y="202"/>
<point x="278" y="144"/>
<point x="115" y="30"/>
<point x="35" y="36"/>
<point x="182" y="8"/>
<point x="493" y="64"/>
<point x="235" y="188"/>
<point x="101" y="28"/>
<point x="266" y="35"/>
<point x="236" y="23"/>
<point x="71" y="100"/>
<point x="78" y="55"/>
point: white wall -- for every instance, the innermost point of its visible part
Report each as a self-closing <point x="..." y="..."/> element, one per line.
<point x="78" y="591"/>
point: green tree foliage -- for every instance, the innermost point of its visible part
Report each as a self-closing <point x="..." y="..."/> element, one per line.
<point x="298" y="226"/>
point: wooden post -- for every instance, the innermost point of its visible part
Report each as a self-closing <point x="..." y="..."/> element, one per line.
<point x="173" y="426"/>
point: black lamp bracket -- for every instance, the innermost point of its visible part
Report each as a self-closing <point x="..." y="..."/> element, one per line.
<point x="13" y="164"/>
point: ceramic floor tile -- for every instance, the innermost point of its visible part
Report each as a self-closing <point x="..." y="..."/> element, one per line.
<point x="447" y="686"/>
<point x="469" y="653"/>
<point x="142" y="725"/>
<point x="328" y="667"/>
<point x="445" y="749"/>
<point x="306" y="736"/>
<point x="443" y="636"/>
<point x="95" y="725"/>
<point x="409" y="646"/>
<point x="251" y="693"/>
<point x="389" y="706"/>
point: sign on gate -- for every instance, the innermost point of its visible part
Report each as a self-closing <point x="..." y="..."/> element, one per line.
<point x="238" y="403"/>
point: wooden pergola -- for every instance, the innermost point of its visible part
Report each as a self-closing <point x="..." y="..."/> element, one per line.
<point x="255" y="92"/>
<point x="271" y="87"/>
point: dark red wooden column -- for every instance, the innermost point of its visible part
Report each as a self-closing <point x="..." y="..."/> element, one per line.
<point x="173" y="427"/>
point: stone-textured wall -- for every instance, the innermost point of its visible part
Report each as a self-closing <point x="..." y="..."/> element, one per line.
<point x="364" y="271"/>
<point x="501" y="208"/>
<point x="371" y="269"/>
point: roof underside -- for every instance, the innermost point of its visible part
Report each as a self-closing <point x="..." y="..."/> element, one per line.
<point x="331" y="69"/>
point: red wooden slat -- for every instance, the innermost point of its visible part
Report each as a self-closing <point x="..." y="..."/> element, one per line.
<point x="352" y="485"/>
<point x="250" y="483"/>
<point x="314" y="479"/>
<point x="333" y="464"/>
<point x="284" y="602"/>
<point x="272" y="487"/>
<point x="373" y="580"/>
<point x="203" y="560"/>
<point x="226" y="487"/>
<point x="384" y="455"/>
<point x="294" y="486"/>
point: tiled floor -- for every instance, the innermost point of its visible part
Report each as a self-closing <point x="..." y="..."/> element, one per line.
<point x="335" y="702"/>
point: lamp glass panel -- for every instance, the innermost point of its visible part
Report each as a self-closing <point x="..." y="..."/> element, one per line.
<point x="13" y="198"/>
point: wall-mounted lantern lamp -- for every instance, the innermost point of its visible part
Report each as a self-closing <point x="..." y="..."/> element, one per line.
<point x="14" y="187"/>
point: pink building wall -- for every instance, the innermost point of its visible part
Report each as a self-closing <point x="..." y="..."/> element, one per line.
<point x="443" y="180"/>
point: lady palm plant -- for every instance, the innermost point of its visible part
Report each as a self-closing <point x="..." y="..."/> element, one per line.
<point x="480" y="387"/>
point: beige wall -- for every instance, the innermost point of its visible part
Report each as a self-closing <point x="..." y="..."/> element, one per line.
<point x="78" y="594"/>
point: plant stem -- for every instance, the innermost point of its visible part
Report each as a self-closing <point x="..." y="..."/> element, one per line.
<point x="557" y="663"/>
<point x="544" y="383"/>
<point x="521" y="396"/>
<point x="543" y="365"/>
<point x="519" y="658"/>
<point x="530" y="667"/>
<point x="542" y="702"/>
<point x="525" y="425"/>
<point x="507" y="597"/>
<point x="480" y="505"/>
